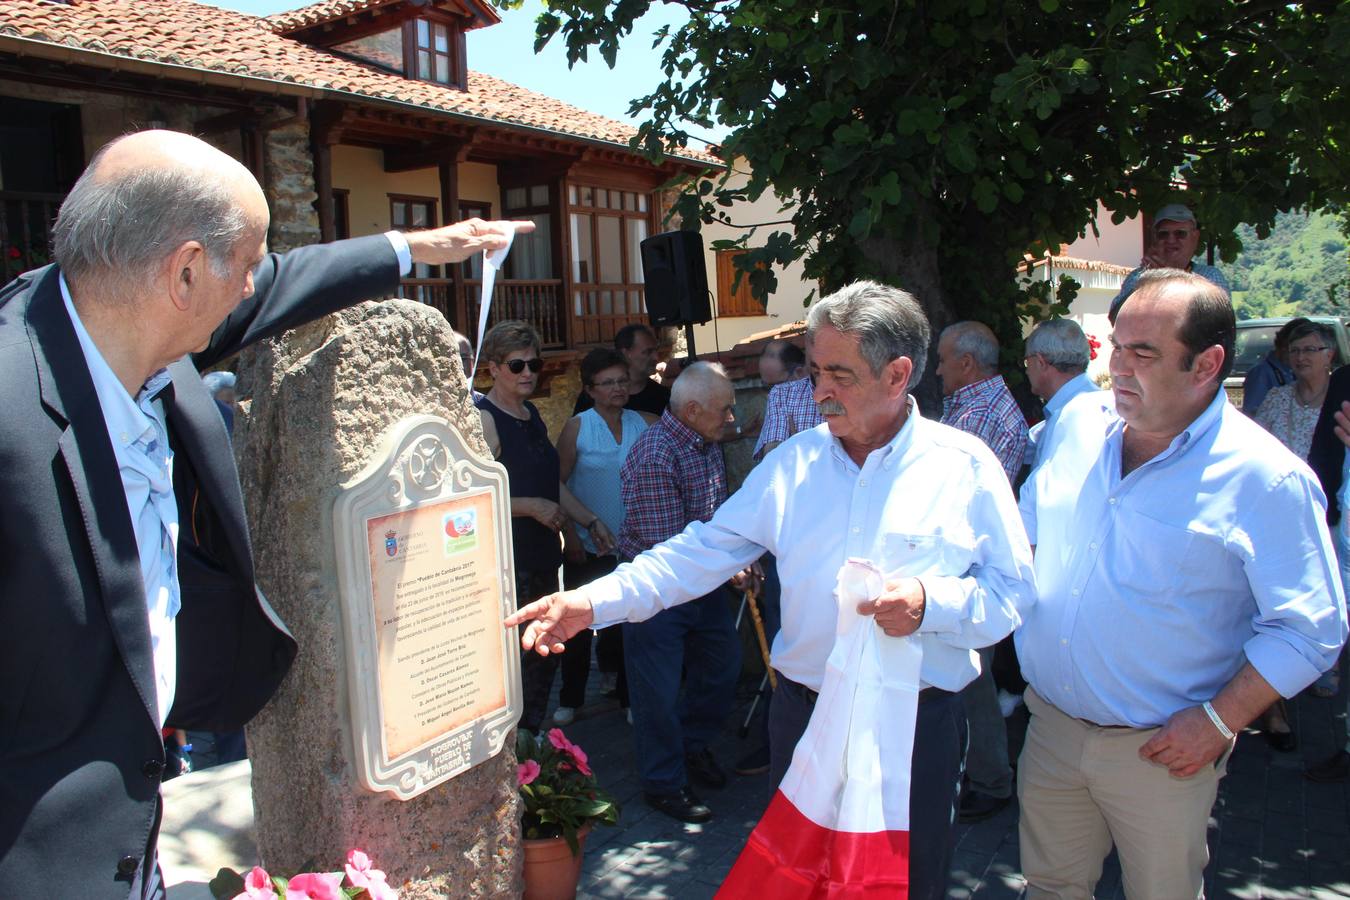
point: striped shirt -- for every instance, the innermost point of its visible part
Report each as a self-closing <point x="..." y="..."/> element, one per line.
<point x="791" y="409"/>
<point x="671" y="477"/>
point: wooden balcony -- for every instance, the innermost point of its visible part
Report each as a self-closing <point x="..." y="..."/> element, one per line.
<point x="541" y="303"/>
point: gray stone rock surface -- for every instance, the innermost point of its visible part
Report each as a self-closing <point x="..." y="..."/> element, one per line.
<point x="320" y="400"/>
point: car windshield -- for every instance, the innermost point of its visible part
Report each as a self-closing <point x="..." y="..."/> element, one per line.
<point x="1253" y="343"/>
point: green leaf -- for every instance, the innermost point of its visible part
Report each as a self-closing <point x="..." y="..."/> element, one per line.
<point x="960" y="151"/>
<point x="985" y="195"/>
<point x="1049" y="5"/>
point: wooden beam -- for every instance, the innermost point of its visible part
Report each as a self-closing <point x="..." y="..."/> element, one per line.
<point x="407" y="159"/>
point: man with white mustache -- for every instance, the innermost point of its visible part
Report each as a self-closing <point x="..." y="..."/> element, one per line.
<point x="929" y="505"/>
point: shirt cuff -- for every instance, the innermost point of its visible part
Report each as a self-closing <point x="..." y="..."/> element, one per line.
<point x="1283" y="666"/>
<point x="943" y="604"/>
<point x="607" y="603"/>
<point x="402" y="251"/>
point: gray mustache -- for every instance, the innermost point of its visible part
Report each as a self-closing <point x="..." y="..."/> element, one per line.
<point x="830" y="408"/>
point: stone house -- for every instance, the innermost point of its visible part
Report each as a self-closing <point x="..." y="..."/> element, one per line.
<point x="357" y="116"/>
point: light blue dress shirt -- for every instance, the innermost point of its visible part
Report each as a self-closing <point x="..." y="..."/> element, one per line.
<point x="933" y="503"/>
<point x="1040" y="433"/>
<point x="1157" y="587"/>
<point x="140" y="440"/>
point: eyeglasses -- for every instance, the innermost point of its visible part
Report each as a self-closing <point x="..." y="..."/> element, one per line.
<point x="611" y="383"/>
<point x="1299" y="351"/>
<point x="1179" y="234"/>
<point x="516" y="366"/>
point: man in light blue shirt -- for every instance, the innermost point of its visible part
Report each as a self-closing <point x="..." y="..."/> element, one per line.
<point x="1057" y="358"/>
<point x="928" y="504"/>
<point x="1187" y="581"/>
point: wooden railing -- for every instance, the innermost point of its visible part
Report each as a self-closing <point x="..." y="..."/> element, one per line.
<point x="25" y="231"/>
<point x="541" y="303"/>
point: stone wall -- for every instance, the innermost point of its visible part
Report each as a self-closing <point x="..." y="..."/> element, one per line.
<point x="289" y="185"/>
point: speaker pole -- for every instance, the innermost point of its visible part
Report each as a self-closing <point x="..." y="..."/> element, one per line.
<point x="689" y="340"/>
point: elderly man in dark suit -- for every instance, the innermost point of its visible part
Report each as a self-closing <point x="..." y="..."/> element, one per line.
<point x="127" y="599"/>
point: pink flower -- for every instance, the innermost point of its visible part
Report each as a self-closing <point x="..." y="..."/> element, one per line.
<point x="257" y="886"/>
<point x="315" y="886"/>
<point x="560" y="741"/>
<point x="526" y="772"/>
<point x="361" y="875"/>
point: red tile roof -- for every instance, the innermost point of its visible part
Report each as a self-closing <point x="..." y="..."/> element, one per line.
<point x="329" y="10"/>
<point x="1082" y="265"/>
<point x="184" y="34"/>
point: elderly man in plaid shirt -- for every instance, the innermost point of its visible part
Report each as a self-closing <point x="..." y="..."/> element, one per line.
<point x="673" y="476"/>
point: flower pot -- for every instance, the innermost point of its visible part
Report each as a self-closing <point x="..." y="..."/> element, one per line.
<point x="551" y="871"/>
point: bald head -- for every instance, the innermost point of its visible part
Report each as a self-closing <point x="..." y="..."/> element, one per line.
<point x="143" y="197"/>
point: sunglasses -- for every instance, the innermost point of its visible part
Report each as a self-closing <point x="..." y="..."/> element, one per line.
<point x="1179" y="234"/>
<point x="516" y="366"/>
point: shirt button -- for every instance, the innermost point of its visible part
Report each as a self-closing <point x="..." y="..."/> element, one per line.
<point x="128" y="865"/>
<point x="1092" y="546"/>
<point x="1112" y="501"/>
<point x="856" y="529"/>
<point x="862" y="482"/>
<point x="1075" y="592"/>
<point x="1064" y="641"/>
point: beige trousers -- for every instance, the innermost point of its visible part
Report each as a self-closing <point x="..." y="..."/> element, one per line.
<point x="1083" y="787"/>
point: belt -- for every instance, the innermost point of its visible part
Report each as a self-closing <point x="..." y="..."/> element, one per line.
<point x="925" y="694"/>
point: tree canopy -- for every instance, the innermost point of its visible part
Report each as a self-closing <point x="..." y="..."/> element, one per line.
<point x="933" y="143"/>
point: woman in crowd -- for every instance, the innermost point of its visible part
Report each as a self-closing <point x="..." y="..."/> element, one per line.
<point x="592" y="448"/>
<point x="1290" y="412"/>
<point x="540" y="505"/>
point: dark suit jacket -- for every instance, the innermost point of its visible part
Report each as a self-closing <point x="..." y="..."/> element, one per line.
<point x="80" y="749"/>
<point x="1327" y="452"/>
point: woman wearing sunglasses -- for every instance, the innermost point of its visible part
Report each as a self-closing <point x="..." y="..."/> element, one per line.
<point x="540" y="504"/>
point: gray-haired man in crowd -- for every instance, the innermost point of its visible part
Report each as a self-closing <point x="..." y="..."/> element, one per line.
<point x="1057" y="358"/>
<point x="929" y="505"/>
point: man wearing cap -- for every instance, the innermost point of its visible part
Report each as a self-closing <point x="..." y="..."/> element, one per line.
<point x="1176" y="237"/>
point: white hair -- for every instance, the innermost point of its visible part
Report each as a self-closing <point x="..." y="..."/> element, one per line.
<point x="696" y="384"/>
<point x="1062" y="343"/>
<point x="976" y="339"/>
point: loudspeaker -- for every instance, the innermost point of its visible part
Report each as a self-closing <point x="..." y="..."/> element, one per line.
<point x="676" y="279"/>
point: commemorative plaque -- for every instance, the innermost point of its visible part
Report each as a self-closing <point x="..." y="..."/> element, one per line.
<point x="425" y="575"/>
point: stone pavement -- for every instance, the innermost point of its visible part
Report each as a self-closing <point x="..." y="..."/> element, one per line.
<point x="1273" y="834"/>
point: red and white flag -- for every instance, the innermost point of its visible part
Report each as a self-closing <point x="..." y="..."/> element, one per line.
<point x="838" y="826"/>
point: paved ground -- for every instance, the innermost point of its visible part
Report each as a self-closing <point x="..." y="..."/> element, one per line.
<point x="1273" y="834"/>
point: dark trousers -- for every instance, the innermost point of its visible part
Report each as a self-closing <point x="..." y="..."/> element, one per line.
<point x="698" y="638"/>
<point x="576" y="659"/>
<point x="935" y="776"/>
<point x="536" y="672"/>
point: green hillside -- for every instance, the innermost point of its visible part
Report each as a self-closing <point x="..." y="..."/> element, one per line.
<point x="1302" y="268"/>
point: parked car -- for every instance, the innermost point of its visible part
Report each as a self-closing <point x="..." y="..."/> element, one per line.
<point x="1255" y="338"/>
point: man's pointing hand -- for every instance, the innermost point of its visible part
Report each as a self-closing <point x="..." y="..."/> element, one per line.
<point x="552" y="620"/>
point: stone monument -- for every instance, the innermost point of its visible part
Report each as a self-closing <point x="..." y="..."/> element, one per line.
<point x="349" y="760"/>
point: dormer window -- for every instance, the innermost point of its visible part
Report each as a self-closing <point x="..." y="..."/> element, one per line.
<point x="435" y="61"/>
<point x="428" y="49"/>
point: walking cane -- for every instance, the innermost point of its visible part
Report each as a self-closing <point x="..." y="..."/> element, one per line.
<point x="759" y="633"/>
